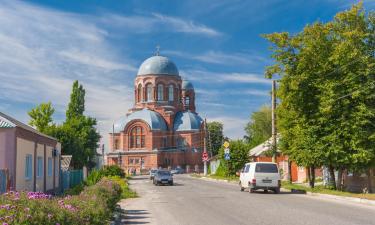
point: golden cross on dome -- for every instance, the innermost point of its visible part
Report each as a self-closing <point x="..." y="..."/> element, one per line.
<point x="157" y="49"/>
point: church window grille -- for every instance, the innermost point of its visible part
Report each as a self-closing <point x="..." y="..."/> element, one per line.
<point x="170" y="93"/>
<point x="137" y="137"/>
<point x="149" y="93"/>
<point x="160" y="92"/>
<point x="139" y="93"/>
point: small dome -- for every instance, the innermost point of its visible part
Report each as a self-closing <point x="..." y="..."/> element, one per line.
<point x="187" y="85"/>
<point x="158" y="65"/>
<point x="153" y="119"/>
<point x="187" y="121"/>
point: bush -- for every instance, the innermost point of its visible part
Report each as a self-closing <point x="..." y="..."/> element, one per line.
<point x="113" y="170"/>
<point x="94" y="206"/>
<point x="108" y="171"/>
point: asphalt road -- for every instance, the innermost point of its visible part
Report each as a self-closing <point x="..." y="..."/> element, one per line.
<point x="197" y="201"/>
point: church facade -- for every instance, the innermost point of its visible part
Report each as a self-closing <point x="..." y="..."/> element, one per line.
<point x="163" y="129"/>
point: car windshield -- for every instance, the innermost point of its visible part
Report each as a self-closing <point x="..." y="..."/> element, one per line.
<point x="164" y="173"/>
<point x="266" y="168"/>
<point x="153" y="171"/>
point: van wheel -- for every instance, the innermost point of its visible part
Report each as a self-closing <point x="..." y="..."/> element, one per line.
<point x="241" y="188"/>
<point x="251" y="190"/>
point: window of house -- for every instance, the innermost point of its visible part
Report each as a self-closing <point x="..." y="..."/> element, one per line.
<point x="136" y="161"/>
<point x="150" y="95"/>
<point x="131" y="161"/>
<point x="49" y="167"/>
<point x="139" y="93"/>
<point x="160" y="92"/>
<point x="137" y="137"/>
<point x="28" y="166"/>
<point x="170" y="93"/>
<point x="39" y="171"/>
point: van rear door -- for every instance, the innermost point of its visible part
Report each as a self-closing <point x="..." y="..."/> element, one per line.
<point x="266" y="175"/>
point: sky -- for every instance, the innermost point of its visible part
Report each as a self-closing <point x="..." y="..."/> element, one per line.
<point x="216" y="44"/>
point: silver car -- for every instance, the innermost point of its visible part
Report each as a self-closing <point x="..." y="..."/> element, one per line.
<point x="152" y="173"/>
<point x="163" y="177"/>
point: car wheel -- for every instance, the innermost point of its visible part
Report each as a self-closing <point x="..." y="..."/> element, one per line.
<point x="265" y="191"/>
<point x="171" y="183"/>
<point x="241" y="188"/>
<point x="277" y="190"/>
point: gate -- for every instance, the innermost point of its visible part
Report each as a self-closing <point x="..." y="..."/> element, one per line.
<point x="3" y="181"/>
<point x="71" y="178"/>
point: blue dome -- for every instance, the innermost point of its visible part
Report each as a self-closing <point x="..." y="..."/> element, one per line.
<point x="186" y="121"/>
<point x="158" y="65"/>
<point x="153" y="119"/>
<point x="187" y="85"/>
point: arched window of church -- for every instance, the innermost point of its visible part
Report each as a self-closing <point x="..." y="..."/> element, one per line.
<point x="137" y="137"/>
<point x="149" y="93"/>
<point x="160" y="92"/>
<point x="170" y="93"/>
<point x="139" y="93"/>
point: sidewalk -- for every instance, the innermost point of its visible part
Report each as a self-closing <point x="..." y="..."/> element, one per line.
<point x="311" y="194"/>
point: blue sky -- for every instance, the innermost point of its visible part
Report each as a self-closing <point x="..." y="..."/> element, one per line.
<point x="45" y="45"/>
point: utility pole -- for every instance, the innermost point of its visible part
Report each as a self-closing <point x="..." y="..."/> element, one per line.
<point x="274" y="131"/>
<point x="205" y="149"/>
<point x="208" y="138"/>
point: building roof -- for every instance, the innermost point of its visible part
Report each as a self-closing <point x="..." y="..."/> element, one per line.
<point x="186" y="121"/>
<point x="262" y="148"/>
<point x="9" y="122"/>
<point x="158" y="65"/>
<point x="187" y="85"/>
<point x="152" y="118"/>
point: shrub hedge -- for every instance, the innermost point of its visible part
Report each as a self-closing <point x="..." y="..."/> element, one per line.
<point x="94" y="205"/>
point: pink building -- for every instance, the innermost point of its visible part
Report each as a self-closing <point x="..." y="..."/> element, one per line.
<point x="31" y="158"/>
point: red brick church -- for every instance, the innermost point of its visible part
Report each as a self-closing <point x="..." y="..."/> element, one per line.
<point x="162" y="130"/>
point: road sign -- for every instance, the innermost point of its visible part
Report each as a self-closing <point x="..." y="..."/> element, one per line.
<point x="226" y="156"/>
<point x="205" y="156"/>
<point x="226" y="144"/>
<point x="226" y="150"/>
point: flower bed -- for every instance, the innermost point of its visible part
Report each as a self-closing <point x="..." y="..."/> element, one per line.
<point x="94" y="205"/>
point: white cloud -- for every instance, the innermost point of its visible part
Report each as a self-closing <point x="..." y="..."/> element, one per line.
<point x="217" y="77"/>
<point x="180" y="25"/>
<point x="43" y="51"/>
<point x="233" y="127"/>
<point x="158" y="22"/>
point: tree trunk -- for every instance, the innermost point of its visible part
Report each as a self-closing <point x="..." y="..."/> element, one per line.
<point x="339" y="179"/>
<point x="308" y="175"/>
<point x="290" y="171"/>
<point x="369" y="185"/>
<point x="312" y="176"/>
<point x="332" y="176"/>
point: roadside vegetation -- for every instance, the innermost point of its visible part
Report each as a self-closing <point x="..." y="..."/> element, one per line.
<point x="321" y="189"/>
<point x="93" y="202"/>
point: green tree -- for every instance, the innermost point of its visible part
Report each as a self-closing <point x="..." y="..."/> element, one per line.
<point x="259" y="129"/>
<point x="76" y="105"/>
<point x="215" y="130"/>
<point x="41" y="116"/>
<point x="327" y="111"/>
<point x="239" y="155"/>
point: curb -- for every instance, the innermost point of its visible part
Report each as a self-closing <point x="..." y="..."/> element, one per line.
<point x="343" y="198"/>
<point x="317" y="195"/>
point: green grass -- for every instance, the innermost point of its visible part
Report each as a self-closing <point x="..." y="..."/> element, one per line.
<point x="323" y="190"/>
<point x="230" y="178"/>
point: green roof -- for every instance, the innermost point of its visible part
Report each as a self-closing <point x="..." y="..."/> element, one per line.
<point x="4" y="123"/>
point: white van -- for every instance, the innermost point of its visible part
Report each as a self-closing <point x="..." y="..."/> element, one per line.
<point x="260" y="175"/>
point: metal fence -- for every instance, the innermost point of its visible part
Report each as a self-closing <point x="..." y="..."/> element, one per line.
<point x="71" y="178"/>
<point x="3" y="181"/>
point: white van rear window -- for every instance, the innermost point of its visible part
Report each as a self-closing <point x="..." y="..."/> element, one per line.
<point x="266" y="168"/>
